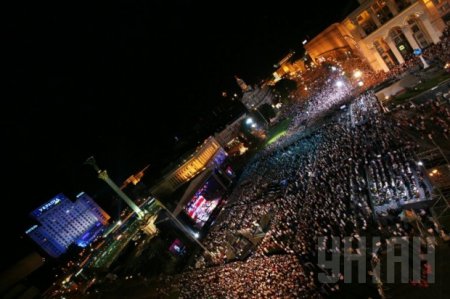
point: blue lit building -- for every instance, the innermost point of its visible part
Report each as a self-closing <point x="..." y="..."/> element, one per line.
<point x="63" y="222"/>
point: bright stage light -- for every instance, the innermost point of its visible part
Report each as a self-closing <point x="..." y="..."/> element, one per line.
<point x="357" y="74"/>
<point x="339" y="83"/>
<point x="249" y="121"/>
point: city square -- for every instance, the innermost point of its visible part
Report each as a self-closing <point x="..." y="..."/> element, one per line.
<point x="331" y="179"/>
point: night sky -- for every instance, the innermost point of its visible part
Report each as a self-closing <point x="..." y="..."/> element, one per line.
<point x="121" y="80"/>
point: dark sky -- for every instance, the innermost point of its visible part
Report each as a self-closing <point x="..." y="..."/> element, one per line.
<point x="120" y="80"/>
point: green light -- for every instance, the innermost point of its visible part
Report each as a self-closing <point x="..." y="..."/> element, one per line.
<point x="276" y="137"/>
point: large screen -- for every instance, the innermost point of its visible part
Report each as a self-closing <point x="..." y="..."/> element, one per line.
<point x="177" y="247"/>
<point x="204" y="201"/>
<point x="199" y="209"/>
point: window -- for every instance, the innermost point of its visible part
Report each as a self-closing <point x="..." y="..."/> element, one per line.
<point x="402" y="4"/>
<point x="401" y="42"/>
<point x="382" y="11"/>
<point x="418" y="33"/>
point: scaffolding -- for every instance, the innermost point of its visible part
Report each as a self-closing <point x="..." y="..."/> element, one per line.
<point x="437" y="169"/>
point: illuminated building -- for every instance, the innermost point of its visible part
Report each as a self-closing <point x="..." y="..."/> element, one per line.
<point x="388" y="31"/>
<point x="384" y="32"/>
<point x="230" y="132"/>
<point x="332" y="43"/>
<point x="254" y="98"/>
<point x="286" y="67"/>
<point x="88" y="202"/>
<point x="63" y="222"/>
<point x="134" y="179"/>
<point x="209" y="154"/>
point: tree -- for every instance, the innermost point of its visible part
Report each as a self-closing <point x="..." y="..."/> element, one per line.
<point x="284" y="87"/>
<point x="267" y="111"/>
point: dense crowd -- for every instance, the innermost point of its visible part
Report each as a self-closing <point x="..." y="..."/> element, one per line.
<point x="324" y="182"/>
<point x="430" y="120"/>
<point x="266" y="277"/>
<point x="348" y="166"/>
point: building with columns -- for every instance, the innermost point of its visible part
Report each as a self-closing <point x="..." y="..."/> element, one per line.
<point x="333" y="43"/>
<point x="210" y="154"/>
<point x="287" y="67"/>
<point x="387" y="31"/>
<point x="383" y="32"/>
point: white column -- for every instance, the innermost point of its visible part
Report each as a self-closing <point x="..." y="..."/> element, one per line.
<point x="392" y="7"/>
<point x="104" y="176"/>
<point x="432" y="33"/>
<point x="361" y="31"/>
<point x="380" y="60"/>
<point x="411" y="40"/>
<point x="374" y="17"/>
<point x="395" y="51"/>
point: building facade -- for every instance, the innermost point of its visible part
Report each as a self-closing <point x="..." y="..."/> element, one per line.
<point x="230" y="132"/>
<point x="385" y="32"/>
<point x="63" y="222"/>
<point x="388" y="31"/>
<point x="256" y="97"/>
<point x="285" y="67"/>
<point x="208" y="154"/>
<point x="332" y="43"/>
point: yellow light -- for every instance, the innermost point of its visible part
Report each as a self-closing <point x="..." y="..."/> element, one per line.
<point x="357" y="74"/>
<point x="435" y="171"/>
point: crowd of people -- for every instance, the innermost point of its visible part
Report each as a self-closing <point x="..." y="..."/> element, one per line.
<point x="266" y="277"/>
<point x="323" y="182"/>
<point x="430" y="120"/>
<point x="349" y="167"/>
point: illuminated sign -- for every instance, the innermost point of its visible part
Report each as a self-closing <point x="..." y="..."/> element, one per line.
<point x="55" y="201"/>
<point x="31" y="229"/>
<point x="50" y="204"/>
